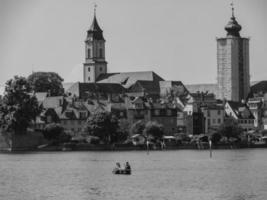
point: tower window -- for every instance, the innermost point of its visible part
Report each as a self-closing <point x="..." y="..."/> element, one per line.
<point x="88" y="78"/>
<point x="88" y="53"/>
<point x="88" y="69"/>
<point x="101" y="53"/>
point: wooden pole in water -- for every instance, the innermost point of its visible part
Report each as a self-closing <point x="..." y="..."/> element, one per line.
<point x="147" y="147"/>
<point x="210" y="144"/>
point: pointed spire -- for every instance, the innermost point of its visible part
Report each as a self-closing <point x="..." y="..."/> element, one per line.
<point x="95" y="31"/>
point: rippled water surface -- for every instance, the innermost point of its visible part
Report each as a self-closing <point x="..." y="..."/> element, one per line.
<point x="181" y="174"/>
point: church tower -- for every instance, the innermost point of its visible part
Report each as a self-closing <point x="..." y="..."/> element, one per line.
<point x="233" y="63"/>
<point x="95" y="63"/>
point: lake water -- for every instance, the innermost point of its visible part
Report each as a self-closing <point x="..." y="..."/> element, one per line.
<point x="180" y="174"/>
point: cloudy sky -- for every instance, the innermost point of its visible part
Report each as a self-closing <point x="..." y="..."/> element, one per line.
<point x="174" y="38"/>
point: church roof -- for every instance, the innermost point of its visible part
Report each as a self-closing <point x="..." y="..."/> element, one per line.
<point x="127" y="79"/>
<point x="149" y="87"/>
<point x="81" y="89"/>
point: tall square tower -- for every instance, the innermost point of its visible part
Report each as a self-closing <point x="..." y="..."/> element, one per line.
<point x="233" y="63"/>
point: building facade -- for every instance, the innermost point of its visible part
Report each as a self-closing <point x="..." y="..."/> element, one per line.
<point x="233" y="63"/>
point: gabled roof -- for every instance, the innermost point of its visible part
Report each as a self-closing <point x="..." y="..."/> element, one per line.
<point x="239" y="109"/>
<point x="126" y="79"/>
<point x="53" y="102"/>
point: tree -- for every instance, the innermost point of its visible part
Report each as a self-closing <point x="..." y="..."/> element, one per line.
<point x="123" y="130"/>
<point x="49" y="82"/>
<point x="56" y="133"/>
<point x="19" y="108"/>
<point x="137" y="128"/>
<point x="103" y="125"/>
<point x="230" y="128"/>
<point x="153" y="130"/>
<point x="215" y="138"/>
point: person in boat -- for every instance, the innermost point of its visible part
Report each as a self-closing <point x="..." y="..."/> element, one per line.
<point x="127" y="168"/>
<point x="117" y="168"/>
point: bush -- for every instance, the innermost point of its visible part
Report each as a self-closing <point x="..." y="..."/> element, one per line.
<point x="55" y="132"/>
<point x="137" y="128"/>
<point x="153" y="130"/>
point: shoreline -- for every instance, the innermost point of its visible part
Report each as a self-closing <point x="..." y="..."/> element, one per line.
<point x="112" y="148"/>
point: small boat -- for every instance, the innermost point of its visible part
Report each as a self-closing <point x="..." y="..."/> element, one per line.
<point x="121" y="171"/>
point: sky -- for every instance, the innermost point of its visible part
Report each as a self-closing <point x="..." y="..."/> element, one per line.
<point x="174" y="38"/>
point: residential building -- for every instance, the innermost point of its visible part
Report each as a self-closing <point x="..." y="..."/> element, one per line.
<point x="241" y="114"/>
<point x="213" y="117"/>
<point x="163" y="113"/>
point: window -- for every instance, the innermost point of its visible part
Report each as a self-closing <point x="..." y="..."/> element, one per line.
<point x="88" y="53"/>
<point x="88" y="78"/>
<point x="214" y="121"/>
<point x="88" y="69"/>
<point x="219" y="121"/>
<point x="219" y="112"/>
<point x="208" y="122"/>
<point x="208" y="113"/>
<point x="100" y="69"/>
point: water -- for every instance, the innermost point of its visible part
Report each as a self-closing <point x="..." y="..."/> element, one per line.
<point x="181" y="174"/>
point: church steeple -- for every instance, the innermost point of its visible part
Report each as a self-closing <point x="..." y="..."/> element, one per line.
<point x="95" y="32"/>
<point x="233" y="27"/>
<point x="95" y="63"/>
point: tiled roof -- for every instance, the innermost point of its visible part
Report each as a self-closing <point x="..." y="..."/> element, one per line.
<point x="126" y="79"/>
<point x="145" y="86"/>
<point x="211" y="88"/>
<point x="53" y="102"/>
<point x="239" y="108"/>
<point x="81" y="89"/>
<point x="259" y="87"/>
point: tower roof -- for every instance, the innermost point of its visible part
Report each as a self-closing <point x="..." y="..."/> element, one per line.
<point x="95" y="31"/>
<point x="232" y="26"/>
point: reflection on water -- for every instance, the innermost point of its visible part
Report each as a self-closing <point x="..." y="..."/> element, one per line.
<point x="181" y="174"/>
